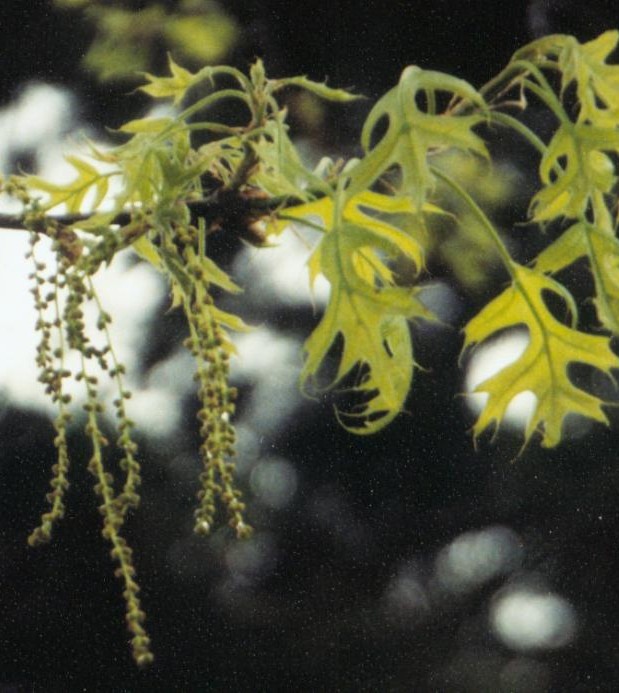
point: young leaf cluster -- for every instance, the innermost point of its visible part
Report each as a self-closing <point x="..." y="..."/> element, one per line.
<point x="177" y="180"/>
<point x="577" y="195"/>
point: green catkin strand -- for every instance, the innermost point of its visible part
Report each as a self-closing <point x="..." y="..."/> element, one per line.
<point x="208" y="344"/>
<point x="51" y="373"/>
<point x="113" y="507"/>
<point x="129" y="497"/>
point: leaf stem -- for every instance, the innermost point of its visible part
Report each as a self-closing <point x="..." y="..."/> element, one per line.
<point x="479" y="214"/>
<point x="514" y="124"/>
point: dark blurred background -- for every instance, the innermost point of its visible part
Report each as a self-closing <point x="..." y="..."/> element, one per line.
<point x="403" y="562"/>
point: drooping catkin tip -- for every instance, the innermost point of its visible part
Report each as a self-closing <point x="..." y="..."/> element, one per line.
<point x="202" y="527"/>
<point x="243" y="530"/>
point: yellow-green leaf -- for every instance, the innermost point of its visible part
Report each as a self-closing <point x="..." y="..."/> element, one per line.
<point x="413" y="133"/>
<point x="543" y="367"/>
<point x="73" y="194"/>
<point x="582" y="64"/>
<point x="367" y="210"/>
<point x="213" y="274"/>
<point x="367" y="310"/>
<point x="174" y="87"/>
<point x="279" y="170"/>
<point x="149" y="125"/>
<point x="147" y="251"/>
<point x="574" y="167"/>
<point x="597" y="84"/>
<point x="596" y="242"/>
<point x="318" y="88"/>
<point x="373" y="327"/>
<point x="231" y="321"/>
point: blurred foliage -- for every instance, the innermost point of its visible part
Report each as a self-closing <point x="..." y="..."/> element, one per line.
<point x="128" y="41"/>
<point x="463" y="244"/>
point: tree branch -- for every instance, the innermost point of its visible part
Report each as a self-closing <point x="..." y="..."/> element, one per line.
<point x="222" y="204"/>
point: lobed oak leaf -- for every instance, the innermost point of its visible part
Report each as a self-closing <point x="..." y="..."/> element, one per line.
<point x="575" y="167"/>
<point x="367" y="311"/>
<point x="597" y="83"/>
<point x="372" y="323"/>
<point x="596" y="242"/>
<point x="543" y="367"/>
<point x="74" y="193"/>
<point x="368" y="210"/>
<point x="413" y="133"/>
